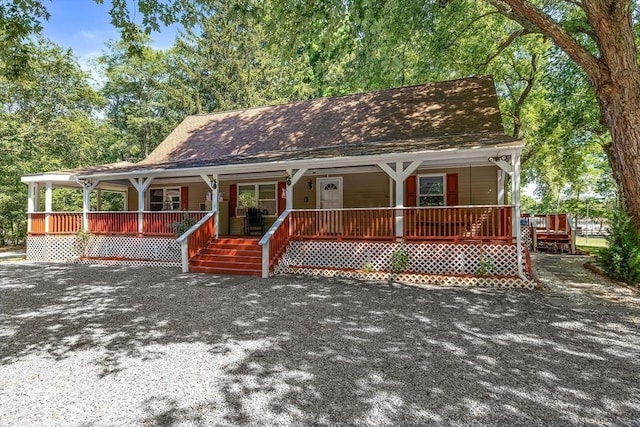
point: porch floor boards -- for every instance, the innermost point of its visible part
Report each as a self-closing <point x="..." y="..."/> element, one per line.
<point x="229" y="255"/>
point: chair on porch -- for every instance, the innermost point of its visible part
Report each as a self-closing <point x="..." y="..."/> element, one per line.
<point x="254" y="221"/>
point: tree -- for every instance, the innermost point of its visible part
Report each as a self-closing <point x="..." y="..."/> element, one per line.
<point x="136" y="88"/>
<point x="47" y="122"/>
<point x="599" y="36"/>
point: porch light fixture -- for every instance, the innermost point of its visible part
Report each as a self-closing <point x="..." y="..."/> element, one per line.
<point x="310" y="184"/>
<point x="214" y="184"/>
<point x="497" y="158"/>
<point x="287" y="178"/>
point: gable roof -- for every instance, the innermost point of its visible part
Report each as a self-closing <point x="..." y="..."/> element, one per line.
<point x="342" y="125"/>
<point x="458" y="114"/>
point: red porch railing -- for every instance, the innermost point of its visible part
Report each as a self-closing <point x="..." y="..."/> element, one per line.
<point x="344" y="223"/>
<point x="201" y="236"/>
<point x="458" y="223"/>
<point x="154" y="223"/>
<point x="279" y="240"/>
<point x="164" y="223"/>
<point x="113" y="222"/>
<point x="37" y="223"/>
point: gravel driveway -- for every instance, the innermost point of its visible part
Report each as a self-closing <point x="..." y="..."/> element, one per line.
<point x="104" y="345"/>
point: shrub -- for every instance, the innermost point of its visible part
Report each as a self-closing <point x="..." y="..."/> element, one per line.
<point x="399" y="259"/>
<point x="621" y="259"/>
<point x="179" y="228"/>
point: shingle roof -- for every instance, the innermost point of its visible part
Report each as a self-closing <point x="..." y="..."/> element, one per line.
<point x="460" y="113"/>
<point x="456" y="107"/>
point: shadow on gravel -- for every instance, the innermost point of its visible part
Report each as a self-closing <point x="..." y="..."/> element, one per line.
<point x="305" y="350"/>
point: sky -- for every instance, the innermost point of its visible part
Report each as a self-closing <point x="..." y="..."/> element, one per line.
<point x="85" y="26"/>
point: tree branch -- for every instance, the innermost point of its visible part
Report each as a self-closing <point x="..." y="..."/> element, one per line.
<point x="505" y="44"/>
<point x="527" y="15"/>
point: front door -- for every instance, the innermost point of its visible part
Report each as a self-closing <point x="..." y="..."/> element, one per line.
<point x="330" y="199"/>
<point x="330" y="193"/>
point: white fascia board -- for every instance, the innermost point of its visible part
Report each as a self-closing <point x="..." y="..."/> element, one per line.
<point x="50" y="177"/>
<point x="459" y="155"/>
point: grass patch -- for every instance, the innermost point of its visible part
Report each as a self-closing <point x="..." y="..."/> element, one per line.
<point x="591" y="245"/>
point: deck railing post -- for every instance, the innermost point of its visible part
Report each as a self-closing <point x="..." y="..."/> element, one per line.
<point x="265" y="259"/>
<point x="184" y="247"/>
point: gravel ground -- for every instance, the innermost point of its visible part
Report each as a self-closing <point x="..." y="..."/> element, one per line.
<point x="104" y="345"/>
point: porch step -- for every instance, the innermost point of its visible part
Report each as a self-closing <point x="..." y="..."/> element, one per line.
<point x="240" y="256"/>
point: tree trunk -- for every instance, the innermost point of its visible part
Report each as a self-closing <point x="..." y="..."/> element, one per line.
<point x="614" y="74"/>
<point x="618" y="93"/>
<point x="621" y="116"/>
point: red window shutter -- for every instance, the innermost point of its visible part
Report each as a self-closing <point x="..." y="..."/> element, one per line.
<point x="411" y="185"/>
<point x="184" y="198"/>
<point x="452" y="189"/>
<point x="282" y="201"/>
<point x="233" y="199"/>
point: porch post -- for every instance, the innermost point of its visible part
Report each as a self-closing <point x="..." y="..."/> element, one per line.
<point x="31" y="203"/>
<point x="87" y="187"/>
<point x="292" y="179"/>
<point x="141" y="185"/>
<point x="48" y="203"/>
<point x="399" y="200"/>
<point x="515" y="197"/>
<point x="212" y="182"/>
<point x="399" y="176"/>
<point x="500" y="186"/>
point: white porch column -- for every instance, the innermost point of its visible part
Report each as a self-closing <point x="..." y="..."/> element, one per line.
<point x="212" y="182"/>
<point x="48" y="203"/>
<point x="515" y="197"/>
<point x="87" y="187"/>
<point x="292" y="179"/>
<point x="500" y="186"/>
<point x="399" y="175"/>
<point x="32" y="205"/>
<point x="399" y="200"/>
<point x="141" y="185"/>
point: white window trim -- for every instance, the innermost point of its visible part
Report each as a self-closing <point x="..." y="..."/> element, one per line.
<point x="164" y="196"/>
<point x="444" y="186"/>
<point x="257" y="193"/>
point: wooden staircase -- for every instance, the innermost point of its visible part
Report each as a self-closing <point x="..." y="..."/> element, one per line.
<point x="229" y="255"/>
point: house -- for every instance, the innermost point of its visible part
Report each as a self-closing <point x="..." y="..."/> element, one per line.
<point x="332" y="186"/>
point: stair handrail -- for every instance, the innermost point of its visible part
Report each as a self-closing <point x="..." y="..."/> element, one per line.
<point x="184" y="242"/>
<point x="266" y="241"/>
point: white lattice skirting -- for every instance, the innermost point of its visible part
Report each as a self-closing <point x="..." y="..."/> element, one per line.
<point x="527" y="237"/>
<point x="127" y="250"/>
<point x="441" y="263"/>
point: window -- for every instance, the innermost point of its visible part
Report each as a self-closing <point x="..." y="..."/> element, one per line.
<point x="164" y="199"/>
<point x="262" y="196"/>
<point x="431" y="190"/>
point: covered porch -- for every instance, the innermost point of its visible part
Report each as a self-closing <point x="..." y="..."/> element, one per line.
<point x="393" y="216"/>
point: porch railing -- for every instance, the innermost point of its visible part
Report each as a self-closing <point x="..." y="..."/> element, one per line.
<point x="456" y="223"/>
<point x="375" y="223"/>
<point x="37" y="223"/>
<point x="196" y="238"/>
<point x="274" y="242"/>
<point x="153" y="223"/>
<point x="113" y="222"/>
